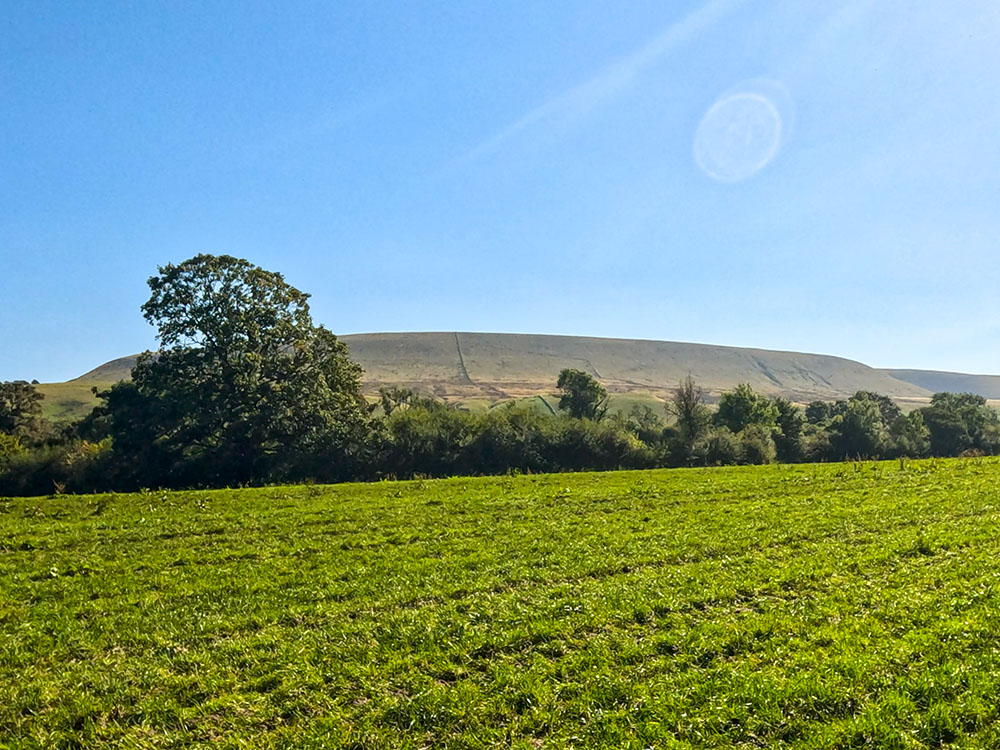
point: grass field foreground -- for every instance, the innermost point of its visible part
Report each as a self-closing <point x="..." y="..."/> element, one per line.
<point x="840" y="606"/>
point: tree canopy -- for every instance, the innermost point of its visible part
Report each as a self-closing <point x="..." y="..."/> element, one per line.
<point x="582" y="396"/>
<point x="743" y="406"/>
<point x="20" y="409"/>
<point x="244" y="386"/>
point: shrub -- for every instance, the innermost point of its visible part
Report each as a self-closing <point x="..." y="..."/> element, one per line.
<point x="76" y="467"/>
<point x="10" y="448"/>
<point x="719" y="448"/>
<point x="756" y="445"/>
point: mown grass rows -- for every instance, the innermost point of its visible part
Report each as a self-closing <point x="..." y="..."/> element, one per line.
<point x="807" y="606"/>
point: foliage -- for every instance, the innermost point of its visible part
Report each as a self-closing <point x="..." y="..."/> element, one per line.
<point x="391" y="398"/>
<point x="433" y="440"/>
<point x="10" y="448"/>
<point x="788" y="435"/>
<point x="830" y="606"/>
<point x="742" y="407"/>
<point x="76" y="466"/>
<point x="756" y="445"/>
<point x="816" y="445"/>
<point x="513" y="438"/>
<point x="870" y="425"/>
<point x="720" y="447"/>
<point x="582" y="396"/>
<point x="959" y="422"/>
<point x="821" y="412"/>
<point x="910" y="436"/>
<point x="644" y="423"/>
<point x="426" y="440"/>
<point x="244" y="389"/>
<point x="20" y="410"/>
<point x="687" y="406"/>
<point x="859" y="432"/>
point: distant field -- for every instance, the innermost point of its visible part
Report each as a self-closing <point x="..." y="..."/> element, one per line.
<point x="66" y="402"/>
<point x="828" y="606"/>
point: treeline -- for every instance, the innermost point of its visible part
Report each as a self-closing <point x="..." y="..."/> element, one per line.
<point x="245" y="390"/>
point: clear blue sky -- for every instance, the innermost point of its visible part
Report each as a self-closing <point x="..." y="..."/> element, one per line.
<point x="511" y="166"/>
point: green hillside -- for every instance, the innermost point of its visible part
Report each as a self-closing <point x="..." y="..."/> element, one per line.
<point x="482" y="368"/>
<point x="109" y="372"/>
<point x="987" y="386"/>
<point x="505" y="365"/>
<point x="65" y="402"/>
<point x="477" y="369"/>
<point x="812" y="606"/>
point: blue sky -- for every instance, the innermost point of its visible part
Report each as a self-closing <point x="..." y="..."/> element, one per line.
<point x="510" y="166"/>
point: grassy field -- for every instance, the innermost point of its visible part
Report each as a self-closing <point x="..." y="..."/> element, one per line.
<point x="841" y="606"/>
<point x="66" y="402"/>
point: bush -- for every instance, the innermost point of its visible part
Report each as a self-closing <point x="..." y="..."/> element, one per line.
<point x="512" y="437"/>
<point x="76" y="467"/>
<point x="10" y="448"/>
<point x="430" y="440"/>
<point x="756" y="445"/>
<point x="816" y="446"/>
<point x="582" y="445"/>
<point x="719" y="448"/>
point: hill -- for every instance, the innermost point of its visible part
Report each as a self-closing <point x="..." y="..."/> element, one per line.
<point x="512" y="365"/>
<point x="504" y="365"/>
<point x="934" y="381"/>
<point x="477" y="369"/>
<point x="109" y="372"/>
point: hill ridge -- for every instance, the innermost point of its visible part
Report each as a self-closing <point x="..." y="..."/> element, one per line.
<point x="470" y="366"/>
<point x="455" y="364"/>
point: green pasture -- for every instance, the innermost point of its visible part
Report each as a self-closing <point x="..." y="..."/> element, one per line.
<point x="809" y="606"/>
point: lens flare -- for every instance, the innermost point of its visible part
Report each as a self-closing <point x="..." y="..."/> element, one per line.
<point x="738" y="136"/>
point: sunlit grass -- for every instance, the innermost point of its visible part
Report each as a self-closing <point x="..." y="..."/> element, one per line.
<point x="810" y="606"/>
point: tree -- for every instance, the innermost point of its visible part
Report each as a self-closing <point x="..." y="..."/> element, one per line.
<point x="888" y="410"/>
<point x="687" y="406"/>
<point x="959" y="422"/>
<point x="788" y="439"/>
<point x="818" y="412"/>
<point x="910" y="436"/>
<point x="244" y="388"/>
<point x="644" y="423"/>
<point x="10" y="448"/>
<point x="20" y="409"/>
<point x="742" y="407"/>
<point x="391" y="398"/>
<point x="719" y="447"/>
<point x="756" y="445"/>
<point x="859" y="432"/>
<point x="582" y="396"/>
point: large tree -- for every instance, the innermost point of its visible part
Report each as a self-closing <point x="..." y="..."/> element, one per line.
<point x="692" y="415"/>
<point x="788" y="438"/>
<point x="743" y="406"/>
<point x="244" y="388"/>
<point x="20" y="409"/>
<point x="583" y="397"/>
<point x="960" y="422"/>
<point x="860" y="431"/>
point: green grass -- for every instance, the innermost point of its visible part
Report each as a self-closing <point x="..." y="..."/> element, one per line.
<point x="839" y="606"/>
<point x="66" y="402"/>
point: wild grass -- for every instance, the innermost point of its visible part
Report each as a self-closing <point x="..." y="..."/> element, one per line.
<point x="831" y="606"/>
<point x="66" y="402"/>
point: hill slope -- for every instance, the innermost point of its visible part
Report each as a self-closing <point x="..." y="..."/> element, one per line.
<point x="506" y="365"/>
<point x="934" y="381"/>
<point x="493" y="366"/>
